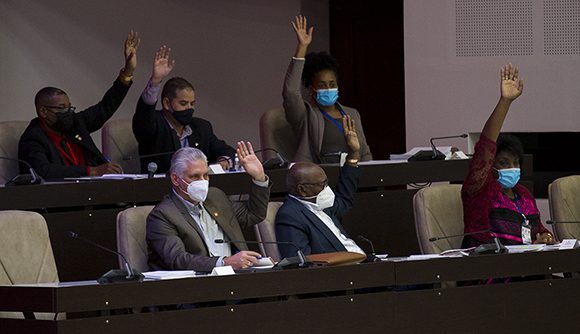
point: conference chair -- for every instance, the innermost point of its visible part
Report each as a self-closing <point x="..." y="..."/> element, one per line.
<point x="266" y="231"/>
<point x="10" y="133"/>
<point x="438" y="212"/>
<point x="120" y="146"/>
<point x="564" y="201"/>
<point x="276" y="133"/>
<point x="25" y="254"/>
<point x="131" y="237"/>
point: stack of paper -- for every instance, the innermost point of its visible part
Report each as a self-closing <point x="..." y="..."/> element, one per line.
<point x="171" y="274"/>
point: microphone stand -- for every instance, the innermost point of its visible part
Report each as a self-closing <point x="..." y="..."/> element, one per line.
<point x="493" y="248"/>
<point x="113" y="275"/>
<point x="434" y="154"/>
<point x="299" y="261"/>
<point x="23" y="179"/>
<point x="274" y="163"/>
<point x="372" y="257"/>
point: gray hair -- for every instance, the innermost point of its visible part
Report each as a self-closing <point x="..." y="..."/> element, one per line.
<point x="182" y="156"/>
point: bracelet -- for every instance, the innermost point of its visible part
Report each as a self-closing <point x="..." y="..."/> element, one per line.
<point x="126" y="79"/>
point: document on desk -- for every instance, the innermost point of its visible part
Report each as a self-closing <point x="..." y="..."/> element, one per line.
<point x="264" y="263"/>
<point x="169" y="274"/>
<point x="514" y="249"/>
<point x="114" y="177"/>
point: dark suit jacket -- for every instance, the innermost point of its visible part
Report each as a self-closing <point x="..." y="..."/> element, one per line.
<point x="155" y="135"/>
<point x="38" y="150"/>
<point x="175" y="241"/>
<point x="297" y="224"/>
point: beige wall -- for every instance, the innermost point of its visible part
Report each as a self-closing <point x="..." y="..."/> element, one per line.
<point x="446" y="94"/>
<point x="234" y="52"/>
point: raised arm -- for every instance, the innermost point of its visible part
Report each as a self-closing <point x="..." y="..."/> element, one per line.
<point x="303" y="34"/>
<point x="162" y="66"/>
<point x="254" y="211"/>
<point x="96" y="115"/>
<point x="144" y="125"/>
<point x="511" y="87"/>
<point x="131" y="44"/>
<point x="349" y="174"/>
<point x="291" y="92"/>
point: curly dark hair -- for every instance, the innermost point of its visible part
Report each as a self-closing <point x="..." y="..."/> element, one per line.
<point x="316" y="62"/>
<point x="510" y="143"/>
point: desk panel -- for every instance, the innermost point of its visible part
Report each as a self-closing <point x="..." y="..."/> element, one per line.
<point x="322" y="300"/>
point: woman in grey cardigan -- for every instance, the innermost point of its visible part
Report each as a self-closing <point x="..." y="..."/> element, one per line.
<point x="317" y="120"/>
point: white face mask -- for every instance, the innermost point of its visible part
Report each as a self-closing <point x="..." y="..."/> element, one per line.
<point x="324" y="199"/>
<point x="197" y="190"/>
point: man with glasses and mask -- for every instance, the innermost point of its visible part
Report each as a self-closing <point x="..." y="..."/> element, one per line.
<point x="310" y="216"/>
<point x="182" y="229"/>
<point x="160" y="133"/>
<point x="58" y="144"/>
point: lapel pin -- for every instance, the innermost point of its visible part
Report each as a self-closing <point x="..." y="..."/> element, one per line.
<point x="196" y="144"/>
<point x="77" y="137"/>
<point x="215" y="214"/>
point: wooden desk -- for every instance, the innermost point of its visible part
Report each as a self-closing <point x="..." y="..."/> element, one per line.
<point x="365" y="298"/>
<point x="383" y="208"/>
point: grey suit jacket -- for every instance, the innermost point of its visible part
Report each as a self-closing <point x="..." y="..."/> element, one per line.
<point x="308" y="122"/>
<point x="175" y="241"/>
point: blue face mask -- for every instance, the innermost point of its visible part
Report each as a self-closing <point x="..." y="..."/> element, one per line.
<point x="327" y="97"/>
<point x="509" y="177"/>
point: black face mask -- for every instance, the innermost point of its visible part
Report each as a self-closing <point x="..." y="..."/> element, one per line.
<point x="64" y="121"/>
<point x="184" y="117"/>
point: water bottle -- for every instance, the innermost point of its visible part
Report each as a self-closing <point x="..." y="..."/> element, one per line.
<point x="236" y="163"/>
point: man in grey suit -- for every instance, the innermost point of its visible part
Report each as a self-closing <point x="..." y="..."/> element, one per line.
<point x="182" y="228"/>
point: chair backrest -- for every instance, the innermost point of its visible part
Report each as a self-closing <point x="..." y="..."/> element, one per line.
<point x="10" y="133"/>
<point x="131" y="237"/>
<point x="266" y="231"/>
<point x="276" y="133"/>
<point x="25" y="251"/>
<point x="564" y="200"/>
<point x="120" y="146"/>
<point x="438" y="212"/>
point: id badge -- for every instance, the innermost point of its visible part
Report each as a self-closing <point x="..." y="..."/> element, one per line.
<point x="526" y="234"/>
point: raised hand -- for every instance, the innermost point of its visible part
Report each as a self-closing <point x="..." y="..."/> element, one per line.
<point x="351" y="137"/>
<point x="250" y="161"/>
<point x="162" y="65"/>
<point x="303" y="34"/>
<point x="511" y="85"/>
<point x="131" y="45"/>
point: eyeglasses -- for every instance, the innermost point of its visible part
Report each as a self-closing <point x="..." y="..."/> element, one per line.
<point x="62" y="108"/>
<point x="322" y="184"/>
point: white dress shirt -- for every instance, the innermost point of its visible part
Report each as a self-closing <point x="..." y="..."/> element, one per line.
<point x="347" y="242"/>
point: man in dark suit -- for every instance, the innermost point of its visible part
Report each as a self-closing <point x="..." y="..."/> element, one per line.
<point x="182" y="228"/>
<point x="159" y="133"/>
<point x="310" y="216"/>
<point x="58" y="142"/>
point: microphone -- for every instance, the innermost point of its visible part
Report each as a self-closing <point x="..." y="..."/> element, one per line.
<point x="458" y="235"/>
<point x="287" y="263"/>
<point x="274" y="163"/>
<point x="113" y="275"/>
<point x="23" y="179"/>
<point x="130" y="157"/>
<point x="434" y="154"/>
<point x="372" y="257"/>
<point x="551" y="222"/>
<point x="495" y="248"/>
<point x="151" y="168"/>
